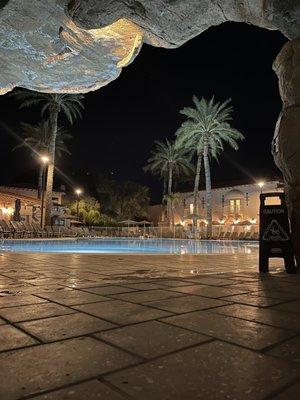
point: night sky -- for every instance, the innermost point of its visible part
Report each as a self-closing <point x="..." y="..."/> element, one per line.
<point x="122" y="120"/>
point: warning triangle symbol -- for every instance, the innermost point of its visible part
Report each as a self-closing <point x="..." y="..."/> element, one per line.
<point x="275" y="232"/>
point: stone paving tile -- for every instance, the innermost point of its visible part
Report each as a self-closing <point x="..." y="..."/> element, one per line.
<point x="73" y="297"/>
<point x="92" y="390"/>
<point x="35" y="369"/>
<point x="12" y="301"/>
<point x="262" y="285"/>
<point x="34" y="311"/>
<point x="185" y="304"/>
<point x="64" y="326"/>
<point x="275" y="294"/>
<point x="144" y="286"/>
<point x="291" y="393"/>
<point x="208" y="291"/>
<point x="252" y="300"/>
<point x="171" y="283"/>
<point x="263" y="315"/>
<point x="211" y="371"/>
<point x="12" y="338"/>
<point x="289" y="350"/>
<point x="110" y="289"/>
<point x="245" y="333"/>
<point x="152" y="339"/>
<point x="292" y="306"/>
<point x="121" y="312"/>
<point x="84" y="284"/>
<point x="291" y="289"/>
<point x="146" y="295"/>
<point x="206" y="280"/>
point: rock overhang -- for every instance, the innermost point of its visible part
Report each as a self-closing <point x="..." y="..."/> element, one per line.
<point x="77" y="46"/>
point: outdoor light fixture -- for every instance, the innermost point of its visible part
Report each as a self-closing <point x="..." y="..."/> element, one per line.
<point x="45" y="159"/>
<point x="7" y="210"/>
<point x="78" y="192"/>
<point x="261" y="184"/>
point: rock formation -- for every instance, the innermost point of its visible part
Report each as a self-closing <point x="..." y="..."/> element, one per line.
<point x="286" y="146"/>
<point x="81" y="45"/>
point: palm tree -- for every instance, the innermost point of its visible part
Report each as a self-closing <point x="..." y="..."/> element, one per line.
<point x="205" y="131"/>
<point x="169" y="160"/>
<point x="37" y="139"/>
<point x="52" y="105"/>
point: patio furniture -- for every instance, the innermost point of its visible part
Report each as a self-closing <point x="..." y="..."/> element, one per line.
<point x="19" y="230"/>
<point x="242" y="236"/>
<point x="67" y="232"/>
<point x="56" y="231"/>
<point x="234" y="236"/>
<point x="38" y="231"/>
<point x="7" y="230"/>
<point x="86" y="231"/>
<point x="49" y="231"/>
<point x="28" y="229"/>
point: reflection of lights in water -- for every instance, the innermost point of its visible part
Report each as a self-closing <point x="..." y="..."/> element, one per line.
<point x="183" y="250"/>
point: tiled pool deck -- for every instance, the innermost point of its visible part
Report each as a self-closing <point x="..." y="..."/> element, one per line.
<point x="151" y="327"/>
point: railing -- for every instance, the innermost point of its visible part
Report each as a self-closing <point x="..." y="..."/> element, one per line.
<point x="177" y="232"/>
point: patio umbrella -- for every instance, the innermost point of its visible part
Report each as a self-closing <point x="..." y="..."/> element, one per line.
<point x="244" y="223"/>
<point x="128" y="222"/>
<point x="17" y="215"/>
<point x="144" y="222"/>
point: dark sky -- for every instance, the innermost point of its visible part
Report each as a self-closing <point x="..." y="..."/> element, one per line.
<point x="122" y="120"/>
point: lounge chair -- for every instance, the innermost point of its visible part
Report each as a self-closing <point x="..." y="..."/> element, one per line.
<point x="66" y="232"/>
<point x="19" y="230"/>
<point x="242" y="236"/>
<point x="49" y="231"/>
<point x="38" y="231"/>
<point x="234" y="236"/>
<point x="56" y="231"/>
<point x="86" y="231"/>
<point x="29" y="231"/>
<point x="7" y="230"/>
<point x="248" y="236"/>
<point x="227" y="235"/>
<point x="255" y="236"/>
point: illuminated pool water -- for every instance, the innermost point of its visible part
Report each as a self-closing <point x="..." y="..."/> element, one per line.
<point x="134" y="246"/>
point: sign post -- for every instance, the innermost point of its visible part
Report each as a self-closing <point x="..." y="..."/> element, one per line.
<point x="275" y="234"/>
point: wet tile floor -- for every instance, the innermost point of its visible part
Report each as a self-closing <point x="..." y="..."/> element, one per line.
<point x="147" y="327"/>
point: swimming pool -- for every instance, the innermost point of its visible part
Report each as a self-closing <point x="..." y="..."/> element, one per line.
<point x="127" y="246"/>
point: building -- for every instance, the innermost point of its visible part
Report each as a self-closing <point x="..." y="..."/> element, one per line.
<point x="29" y="202"/>
<point x="232" y="206"/>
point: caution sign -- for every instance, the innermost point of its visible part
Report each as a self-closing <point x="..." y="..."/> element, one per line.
<point x="274" y="233"/>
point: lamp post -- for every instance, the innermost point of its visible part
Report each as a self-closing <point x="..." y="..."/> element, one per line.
<point x="78" y="193"/>
<point x="45" y="160"/>
<point x="261" y="184"/>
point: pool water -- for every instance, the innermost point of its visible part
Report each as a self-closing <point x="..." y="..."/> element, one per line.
<point x="134" y="246"/>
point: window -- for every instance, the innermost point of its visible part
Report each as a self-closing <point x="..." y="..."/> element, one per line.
<point x="235" y="206"/>
<point x="191" y="208"/>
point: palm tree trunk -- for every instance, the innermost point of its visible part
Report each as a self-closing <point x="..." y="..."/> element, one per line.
<point x="169" y="205"/>
<point x="196" y="186"/>
<point x="208" y="191"/>
<point x="40" y="181"/>
<point x="53" y="115"/>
